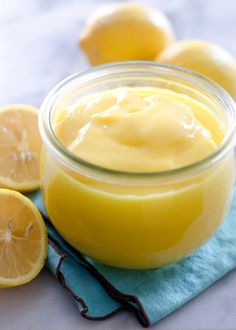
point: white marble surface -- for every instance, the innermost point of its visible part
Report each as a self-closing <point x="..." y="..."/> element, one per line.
<point x="37" y="49"/>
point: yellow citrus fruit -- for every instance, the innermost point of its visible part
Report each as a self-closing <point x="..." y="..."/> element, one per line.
<point x="205" y="58"/>
<point x="125" y="31"/>
<point x="23" y="239"/>
<point x="20" y="146"/>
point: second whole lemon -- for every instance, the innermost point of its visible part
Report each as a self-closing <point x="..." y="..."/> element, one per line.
<point x="204" y="57"/>
<point x="125" y="31"/>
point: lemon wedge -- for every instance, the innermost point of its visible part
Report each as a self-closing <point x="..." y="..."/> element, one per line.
<point x="20" y="146"/>
<point x="23" y="239"/>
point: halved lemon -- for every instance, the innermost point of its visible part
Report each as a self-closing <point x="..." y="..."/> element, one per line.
<point x="23" y="239"/>
<point x="20" y="146"/>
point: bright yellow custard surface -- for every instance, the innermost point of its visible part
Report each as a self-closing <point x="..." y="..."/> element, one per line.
<point x="139" y="130"/>
<point x="128" y="223"/>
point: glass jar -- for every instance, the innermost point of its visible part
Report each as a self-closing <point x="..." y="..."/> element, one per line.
<point x="137" y="220"/>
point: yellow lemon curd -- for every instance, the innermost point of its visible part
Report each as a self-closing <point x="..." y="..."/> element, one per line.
<point x="137" y="129"/>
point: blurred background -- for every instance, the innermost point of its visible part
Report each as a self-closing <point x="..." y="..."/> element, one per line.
<point x="39" y="38"/>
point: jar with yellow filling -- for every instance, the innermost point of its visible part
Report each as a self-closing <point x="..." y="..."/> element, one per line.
<point x="138" y="165"/>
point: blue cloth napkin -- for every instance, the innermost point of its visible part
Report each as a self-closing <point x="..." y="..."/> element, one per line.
<point x="100" y="291"/>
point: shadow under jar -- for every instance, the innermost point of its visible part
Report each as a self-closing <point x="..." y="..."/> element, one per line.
<point x="137" y="220"/>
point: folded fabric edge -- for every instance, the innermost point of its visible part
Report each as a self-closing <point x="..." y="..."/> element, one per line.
<point x="62" y="281"/>
<point x="130" y="302"/>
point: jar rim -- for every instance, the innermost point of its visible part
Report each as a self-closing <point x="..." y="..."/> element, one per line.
<point x="76" y="162"/>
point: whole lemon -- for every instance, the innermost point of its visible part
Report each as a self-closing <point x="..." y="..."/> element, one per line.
<point x="205" y="58"/>
<point x="125" y="31"/>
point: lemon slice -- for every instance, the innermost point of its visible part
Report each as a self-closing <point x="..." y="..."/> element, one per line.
<point x="23" y="239"/>
<point x="20" y="146"/>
